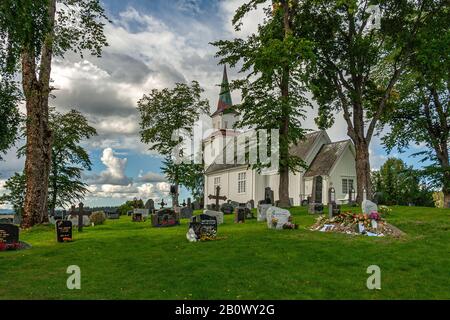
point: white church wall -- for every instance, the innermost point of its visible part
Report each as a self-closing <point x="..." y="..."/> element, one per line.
<point x="233" y="193"/>
<point x="344" y="168"/>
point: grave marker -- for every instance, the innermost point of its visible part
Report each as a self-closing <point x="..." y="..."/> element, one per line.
<point x="63" y="230"/>
<point x="217" y="197"/>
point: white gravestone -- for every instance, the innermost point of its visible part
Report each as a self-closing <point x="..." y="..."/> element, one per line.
<point x="74" y="220"/>
<point x="217" y="214"/>
<point x="262" y="211"/>
<point x="145" y="212"/>
<point x="368" y="207"/>
<point x="281" y="216"/>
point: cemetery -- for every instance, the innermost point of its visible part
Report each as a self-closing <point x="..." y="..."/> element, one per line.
<point x="115" y="163"/>
<point x="310" y="259"/>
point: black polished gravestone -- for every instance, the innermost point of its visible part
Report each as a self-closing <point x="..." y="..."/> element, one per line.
<point x="9" y="233"/>
<point x="63" y="230"/>
<point x="204" y="226"/>
<point x="239" y="214"/>
<point x="165" y="218"/>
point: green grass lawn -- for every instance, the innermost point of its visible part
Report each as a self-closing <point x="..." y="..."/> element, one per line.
<point x="125" y="260"/>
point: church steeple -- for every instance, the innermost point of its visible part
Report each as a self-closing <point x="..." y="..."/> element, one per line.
<point x="225" y="102"/>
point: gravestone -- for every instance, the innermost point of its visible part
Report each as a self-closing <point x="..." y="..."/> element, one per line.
<point x="239" y="214"/>
<point x="112" y="215"/>
<point x="186" y="212"/>
<point x="9" y="233"/>
<point x="315" y="208"/>
<point x="368" y="207"/>
<point x="63" y="230"/>
<point x="165" y="218"/>
<point x="79" y="218"/>
<point x="250" y="204"/>
<point x="277" y="217"/>
<point x="203" y="227"/>
<point x="234" y="204"/>
<point x="291" y="202"/>
<point x="145" y="213"/>
<point x="262" y="211"/>
<point x="189" y="203"/>
<point x="137" y="217"/>
<point x="227" y="208"/>
<point x="216" y="214"/>
<point x="268" y="196"/>
<point x="196" y="205"/>
<point x="150" y="205"/>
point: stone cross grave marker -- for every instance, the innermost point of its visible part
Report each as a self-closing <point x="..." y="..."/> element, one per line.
<point x="162" y="203"/>
<point x="80" y="213"/>
<point x="217" y="197"/>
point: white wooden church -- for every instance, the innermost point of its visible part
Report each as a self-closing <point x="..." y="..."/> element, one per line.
<point x="330" y="164"/>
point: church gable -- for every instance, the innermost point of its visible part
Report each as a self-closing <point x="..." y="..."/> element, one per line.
<point x="326" y="159"/>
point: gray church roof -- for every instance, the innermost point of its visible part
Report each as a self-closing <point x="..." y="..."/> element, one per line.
<point x="301" y="150"/>
<point x="326" y="158"/>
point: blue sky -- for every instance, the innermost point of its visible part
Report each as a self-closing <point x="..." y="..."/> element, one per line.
<point x="153" y="44"/>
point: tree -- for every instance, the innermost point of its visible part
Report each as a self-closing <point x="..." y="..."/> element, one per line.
<point x="399" y="184"/>
<point x="188" y="175"/>
<point x="358" y="64"/>
<point x="421" y="115"/>
<point x="32" y="32"/>
<point x="9" y="115"/>
<point x="169" y="115"/>
<point x="69" y="159"/>
<point x="16" y="186"/>
<point x="273" y="91"/>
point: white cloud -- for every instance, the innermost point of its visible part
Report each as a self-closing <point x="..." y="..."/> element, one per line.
<point x="114" y="175"/>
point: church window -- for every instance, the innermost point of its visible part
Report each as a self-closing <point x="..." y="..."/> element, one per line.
<point x="347" y="185"/>
<point x="216" y="182"/>
<point x="241" y="182"/>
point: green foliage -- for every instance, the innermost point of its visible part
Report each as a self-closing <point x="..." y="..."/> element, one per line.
<point x="9" y="115"/>
<point x="421" y="115"/>
<point x="129" y="206"/>
<point x="168" y="114"/>
<point x="167" y="117"/>
<point x="16" y="192"/>
<point x="124" y="208"/>
<point x="25" y="24"/>
<point x="400" y="184"/>
<point x="97" y="218"/>
<point x="69" y="158"/>
<point x="273" y="92"/>
<point x="189" y="175"/>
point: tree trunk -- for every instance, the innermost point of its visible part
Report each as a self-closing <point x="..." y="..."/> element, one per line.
<point x="283" y="190"/>
<point x="39" y="135"/>
<point x="175" y="196"/>
<point x="363" y="173"/>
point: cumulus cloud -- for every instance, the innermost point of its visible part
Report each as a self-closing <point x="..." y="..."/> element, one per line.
<point x="114" y="174"/>
<point x="151" y="177"/>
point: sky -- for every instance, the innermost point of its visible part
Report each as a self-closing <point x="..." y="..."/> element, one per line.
<point x="153" y="44"/>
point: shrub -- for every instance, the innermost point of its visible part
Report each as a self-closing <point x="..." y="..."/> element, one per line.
<point x="98" y="217"/>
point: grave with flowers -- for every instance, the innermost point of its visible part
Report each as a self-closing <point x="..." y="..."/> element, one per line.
<point x="373" y="224"/>
<point x="9" y="238"/>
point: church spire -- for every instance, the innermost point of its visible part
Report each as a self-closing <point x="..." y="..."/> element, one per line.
<point x="225" y="95"/>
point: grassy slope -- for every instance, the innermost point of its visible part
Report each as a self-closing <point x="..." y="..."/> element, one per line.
<point x="125" y="260"/>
